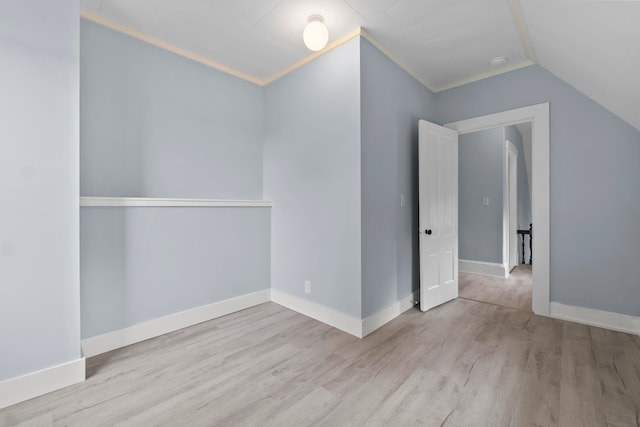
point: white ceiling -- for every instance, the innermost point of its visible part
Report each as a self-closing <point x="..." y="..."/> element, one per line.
<point x="593" y="45"/>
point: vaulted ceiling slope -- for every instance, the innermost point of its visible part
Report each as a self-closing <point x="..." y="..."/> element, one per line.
<point x="592" y="45"/>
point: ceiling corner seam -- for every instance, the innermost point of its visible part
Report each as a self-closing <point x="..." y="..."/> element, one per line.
<point x="386" y="52"/>
<point x="521" y="27"/>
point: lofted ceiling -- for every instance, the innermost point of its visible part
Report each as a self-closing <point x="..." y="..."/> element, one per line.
<point x="592" y="45"/>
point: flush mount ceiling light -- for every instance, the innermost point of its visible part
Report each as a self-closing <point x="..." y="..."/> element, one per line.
<point x="498" y="61"/>
<point x="315" y="34"/>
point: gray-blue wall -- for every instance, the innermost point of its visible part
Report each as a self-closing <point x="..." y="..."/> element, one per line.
<point x="154" y="124"/>
<point x="392" y="102"/>
<point x="312" y="174"/>
<point x="142" y="263"/>
<point x="480" y="174"/>
<point x="481" y="162"/>
<point x="594" y="172"/>
<point x="39" y="290"/>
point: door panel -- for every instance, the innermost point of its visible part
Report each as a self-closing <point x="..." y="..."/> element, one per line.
<point x="446" y="191"/>
<point x="431" y="271"/>
<point x="446" y="266"/>
<point x="438" y="188"/>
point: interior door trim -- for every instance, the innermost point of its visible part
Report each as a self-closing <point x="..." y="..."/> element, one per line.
<point x="539" y="116"/>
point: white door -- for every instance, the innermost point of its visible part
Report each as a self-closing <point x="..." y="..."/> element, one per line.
<point x="512" y="183"/>
<point x="438" y="187"/>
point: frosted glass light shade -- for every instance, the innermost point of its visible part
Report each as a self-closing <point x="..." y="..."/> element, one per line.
<point x="315" y="34"/>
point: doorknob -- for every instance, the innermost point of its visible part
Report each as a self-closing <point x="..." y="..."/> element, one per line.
<point x="427" y="231"/>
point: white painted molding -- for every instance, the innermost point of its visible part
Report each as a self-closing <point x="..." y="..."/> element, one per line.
<point x="507" y="217"/>
<point x="165" y="202"/>
<point x="505" y="203"/>
<point x="384" y="316"/>
<point x="538" y="115"/>
<point x="344" y="322"/>
<point x="310" y="57"/>
<point x="484" y="268"/>
<point x="166" y="46"/>
<point x="123" y="29"/>
<point x="349" y="324"/>
<point x="163" y="325"/>
<point x="598" y="318"/>
<point x="386" y="52"/>
<point x="482" y="76"/>
<point x="34" y="384"/>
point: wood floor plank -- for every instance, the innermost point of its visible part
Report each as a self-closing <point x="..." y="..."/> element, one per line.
<point x="539" y="400"/>
<point x="306" y="411"/>
<point x="463" y="363"/>
<point x="619" y="378"/>
<point x="581" y="397"/>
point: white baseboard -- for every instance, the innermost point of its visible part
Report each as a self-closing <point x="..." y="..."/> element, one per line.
<point x="344" y="322"/>
<point x="349" y="324"/>
<point x="389" y="313"/>
<point x="162" y="325"/>
<point x="593" y="317"/>
<point x="34" y="384"/>
<point x="15" y="390"/>
<point x="480" y="267"/>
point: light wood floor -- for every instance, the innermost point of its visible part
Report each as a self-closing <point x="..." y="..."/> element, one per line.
<point x="514" y="292"/>
<point x="464" y="363"/>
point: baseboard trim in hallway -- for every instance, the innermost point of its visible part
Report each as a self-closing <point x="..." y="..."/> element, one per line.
<point x="34" y="384"/>
<point x="474" y="363"/>
<point x="346" y="323"/>
<point x="387" y="314"/>
<point x="113" y="340"/>
<point x="352" y="325"/>
<point x="162" y="325"/>
<point x="484" y="268"/>
<point x="599" y="318"/>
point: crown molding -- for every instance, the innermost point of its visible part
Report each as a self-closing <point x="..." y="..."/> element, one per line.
<point x="334" y="44"/>
<point x="166" y="46"/>
<point x="514" y="6"/>
<point x="488" y="74"/>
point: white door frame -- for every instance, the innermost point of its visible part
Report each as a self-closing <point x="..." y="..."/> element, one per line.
<point x="539" y="116"/>
<point x="509" y="242"/>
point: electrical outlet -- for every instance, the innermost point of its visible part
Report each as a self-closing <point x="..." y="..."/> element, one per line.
<point x="403" y="200"/>
<point x="307" y="286"/>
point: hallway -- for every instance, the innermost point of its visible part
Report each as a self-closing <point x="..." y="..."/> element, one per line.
<point x="514" y="292"/>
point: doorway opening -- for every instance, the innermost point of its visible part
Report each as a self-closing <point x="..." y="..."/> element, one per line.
<point x="538" y="117"/>
<point x="495" y="203"/>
